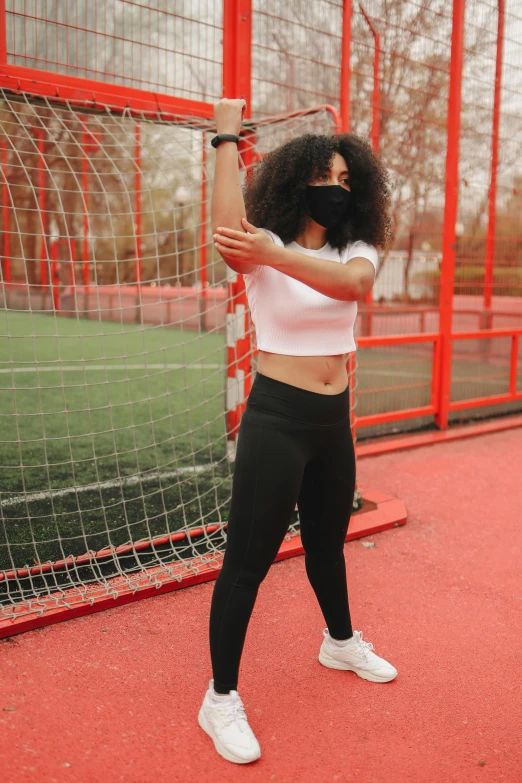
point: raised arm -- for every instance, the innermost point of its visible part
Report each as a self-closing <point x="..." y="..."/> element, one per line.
<point x="227" y="205"/>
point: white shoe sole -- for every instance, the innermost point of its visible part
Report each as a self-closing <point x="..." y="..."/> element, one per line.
<point x="332" y="663"/>
<point x="227" y="754"/>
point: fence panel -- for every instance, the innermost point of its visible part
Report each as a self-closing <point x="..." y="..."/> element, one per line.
<point x="386" y="64"/>
<point x="172" y="49"/>
<point x="296" y="54"/>
<point x="399" y="98"/>
<point x="488" y="272"/>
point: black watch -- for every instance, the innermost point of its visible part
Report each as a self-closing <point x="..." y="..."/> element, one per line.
<point x="223" y="137"/>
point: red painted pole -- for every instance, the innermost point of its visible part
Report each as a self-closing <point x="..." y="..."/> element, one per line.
<point x="85" y="198"/>
<point x="346" y="41"/>
<point x="246" y="151"/>
<point x="54" y="276"/>
<point x="137" y="209"/>
<point x="375" y="134"/>
<point x="376" y="94"/>
<point x="229" y="39"/>
<point x="447" y="279"/>
<point x="44" y="263"/>
<point x="203" y="232"/>
<point x="492" y="217"/>
<point x="72" y="255"/>
<point x="376" y="98"/>
<point x="6" y="260"/>
<point x="237" y="50"/>
<point x="237" y="73"/>
<point x="3" y="41"/>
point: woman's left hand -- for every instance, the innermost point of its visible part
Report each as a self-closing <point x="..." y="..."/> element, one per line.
<point x="256" y="247"/>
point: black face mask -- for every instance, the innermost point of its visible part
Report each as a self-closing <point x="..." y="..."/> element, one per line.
<point x="327" y="204"/>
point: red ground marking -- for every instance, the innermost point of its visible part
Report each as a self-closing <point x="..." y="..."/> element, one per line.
<point x="115" y="694"/>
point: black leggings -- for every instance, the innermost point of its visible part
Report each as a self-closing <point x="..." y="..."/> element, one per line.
<point x="294" y="446"/>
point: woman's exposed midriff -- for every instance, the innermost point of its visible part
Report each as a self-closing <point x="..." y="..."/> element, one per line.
<point x="321" y="374"/>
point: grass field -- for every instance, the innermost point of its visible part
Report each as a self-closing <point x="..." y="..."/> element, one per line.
<point x="111" y="433"/>
<point x="107" y="400"/>
<point x="86" y="403"/>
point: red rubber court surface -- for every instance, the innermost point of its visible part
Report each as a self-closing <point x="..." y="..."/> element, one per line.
<point x="114" y="696"/>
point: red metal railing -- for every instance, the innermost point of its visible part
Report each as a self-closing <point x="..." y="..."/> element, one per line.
<point x="492" y="213"/>
<point x="409" y="92"/>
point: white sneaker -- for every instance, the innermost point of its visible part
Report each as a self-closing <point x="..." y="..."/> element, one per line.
<point x="226" y="723"/>
<point x="356" y="656"/>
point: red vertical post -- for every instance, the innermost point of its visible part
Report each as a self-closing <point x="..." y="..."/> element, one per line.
<point x="85" y="198"/>
<point x="203" y="233"/>
<point x="376" y="97"/>
<point x="237" y="69"/>
<point x="375" y="134"/>
<point x="237" y="50"/>
<point x="492" y="216"/>
<point x="3" y="41"/>
<point x="72" y="268"/>
<point x="44" y="262"/>
<point x="54" y="280"/>
<point x="244" y="344"/>
<point x="376" y="94"/>
<point x="6" y="256"/>
<point x="346" y="72"/>
<point x="137" y="208"/>
<point x="447" y="278"/>
<point x="344" y="111"/>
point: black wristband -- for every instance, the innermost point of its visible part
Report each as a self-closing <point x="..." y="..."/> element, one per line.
<point x="223" y="137"/>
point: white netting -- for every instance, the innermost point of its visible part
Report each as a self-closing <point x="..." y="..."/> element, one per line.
<point x="113" y="415"/>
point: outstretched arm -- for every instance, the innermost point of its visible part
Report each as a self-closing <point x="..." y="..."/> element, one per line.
<point x="347" y="282"/>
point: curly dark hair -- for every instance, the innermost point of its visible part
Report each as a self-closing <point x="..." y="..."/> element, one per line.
<point x="275" y="193"/>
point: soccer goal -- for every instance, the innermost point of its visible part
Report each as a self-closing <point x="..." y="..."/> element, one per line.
<point x="127" y="355"/>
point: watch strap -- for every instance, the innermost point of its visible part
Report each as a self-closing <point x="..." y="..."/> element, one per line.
<point x="223" y="137"/>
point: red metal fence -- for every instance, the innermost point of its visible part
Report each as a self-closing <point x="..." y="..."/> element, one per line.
<point x="437" y="87"/>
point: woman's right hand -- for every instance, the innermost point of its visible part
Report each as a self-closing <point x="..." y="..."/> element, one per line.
<point x="229" y="113"/>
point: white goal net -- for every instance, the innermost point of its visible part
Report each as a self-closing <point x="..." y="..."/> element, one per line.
<point x="126" y="353"/>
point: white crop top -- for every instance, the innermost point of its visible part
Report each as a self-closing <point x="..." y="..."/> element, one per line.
<point x="292" y="318"/>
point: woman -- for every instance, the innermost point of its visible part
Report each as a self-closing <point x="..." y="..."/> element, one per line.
<point x="317" y="206"/>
